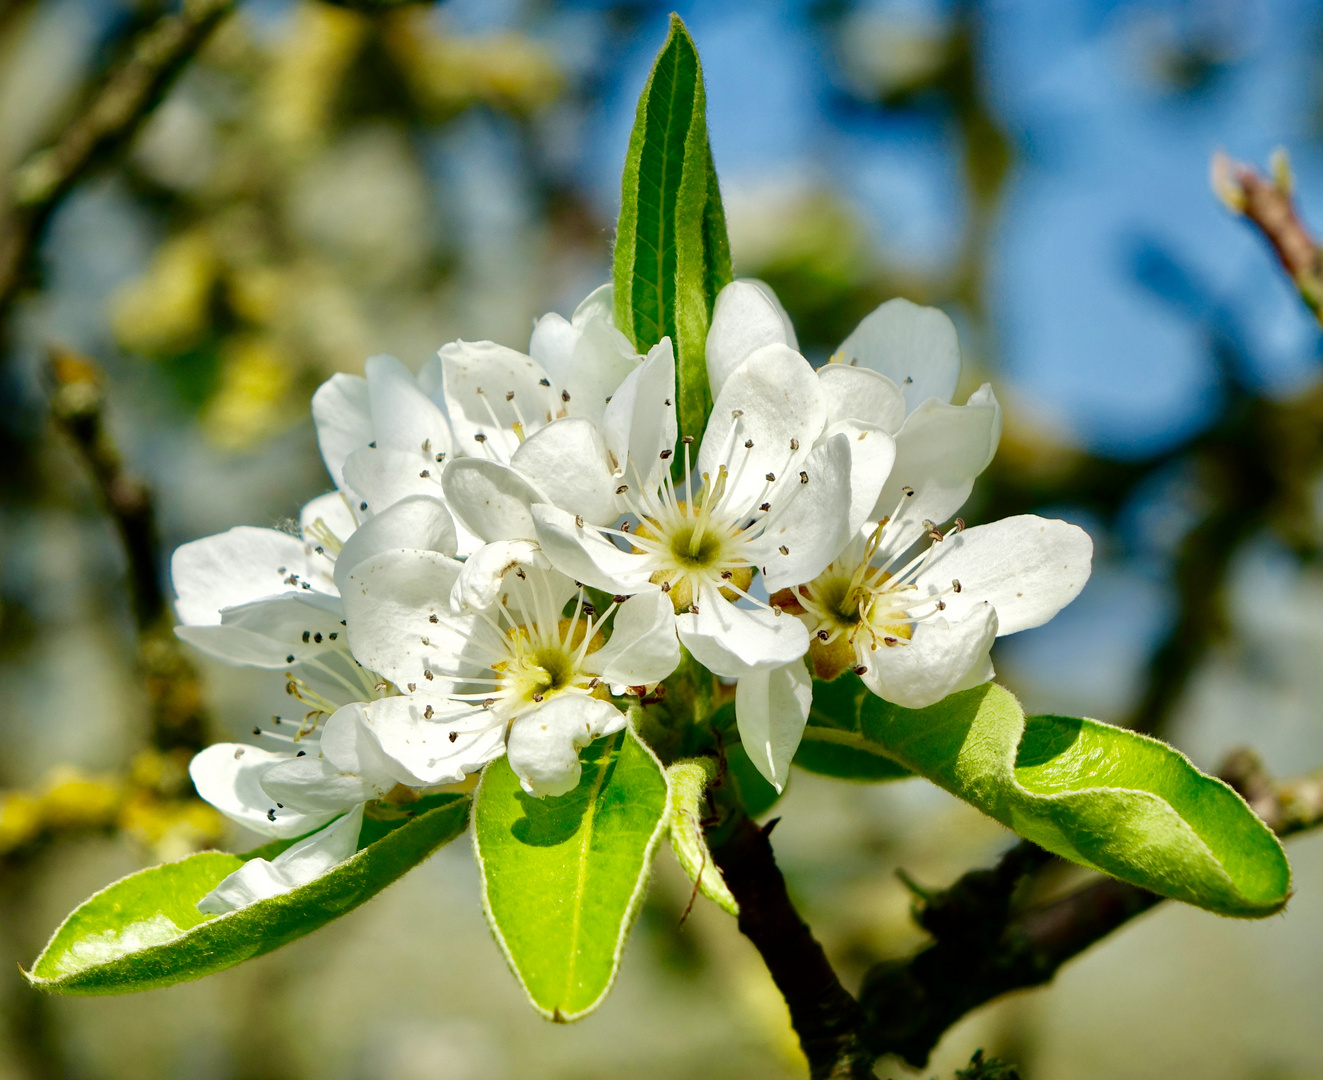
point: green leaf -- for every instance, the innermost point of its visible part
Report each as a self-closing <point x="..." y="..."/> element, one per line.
<point x="1100" y="796"/>
<point x="688" y="781"/>
<point x="563" y="877"/>
<point x="834" y="743"/>
<point x="672" y="255"/>
<point x="145" y="930"/>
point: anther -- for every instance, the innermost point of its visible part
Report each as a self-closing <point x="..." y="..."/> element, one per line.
<point x="519" y="573"/>
<point x="578" y="521"/>
<point x="907" y="491"/>
<point x="620" y="599"/>
<point x="488" y="702"/>
<point x="440" y="457"/>
<point x="425" y="641"/>
<point x="770" y="477"/>
<point x="624" y="527"/>
<point x="302" y="753"/>
<point x="748" y="444"/>
<point x="666" y="453"/>
<point x="454" y="735"/>
<point x="955" y="584"/>
<point x="538" y="698"/>
<point x="509" y="395"/>
<point x="665" y="586"/>
<point x="544" y="382"/>
<point x="783" y="550"/>
<point x="565" y="395"/>
<point x="412" y="687"/>
<point x="317" y="638"/>
<point x="622" y="489"/>
<point x="289" y="659"/>
<point x="693" y="609"/>
<point x="735" y="414"/>
<point x="861" y="670"/>
<point x="794" y="444"/>
<point x="257" y="730"/>
<point x="238" y="753"/>
<point x="427" y="713"/>
<point x="425" y="474"/>
<point x="480" y="437"/>
<point x="373" y="444"/>
<point x="427" y="446"/>
<point x="888" y="641"/>
<point x="823" y="635"/>
<point x="726" y="575"/>
<point x="941" y="605"/>
<point x="686" y="439"/>
<point x="307" y="636"/>
<point x="667" y="402"/>
<point x="362" y="506"/>
<point x="271" y="814"/>
<point x="803" y="477"/>
<point x="433" y="619"/>
<point x="765" y="506"/>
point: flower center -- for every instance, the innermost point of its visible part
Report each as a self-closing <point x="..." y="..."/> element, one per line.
<point x="542" y="661"/>
<point x="692" y="547"/>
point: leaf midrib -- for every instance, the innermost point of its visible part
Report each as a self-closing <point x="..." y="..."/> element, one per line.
<point x="585" y="845"/>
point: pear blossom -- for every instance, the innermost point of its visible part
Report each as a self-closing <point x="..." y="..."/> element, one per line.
<point x="319" y="786"/>
<point x="516" y="676"/>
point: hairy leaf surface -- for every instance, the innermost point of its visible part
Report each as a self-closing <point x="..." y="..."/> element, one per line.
<point x="145" y="930"/>
<point x="1101" y="796"/>
<point x="563" y="877"/>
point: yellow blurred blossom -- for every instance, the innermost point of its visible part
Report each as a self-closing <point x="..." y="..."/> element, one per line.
<point x="168" y="308"/>
<point x="256" y="377"/>
<point x="306" y="73"/>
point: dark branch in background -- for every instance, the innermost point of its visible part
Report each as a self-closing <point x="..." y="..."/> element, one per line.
<point x="78" y="409"/>
<point x="825" y="1017"/>
<point x="102" y="128"/>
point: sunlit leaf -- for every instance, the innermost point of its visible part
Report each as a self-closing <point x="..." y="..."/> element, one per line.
<point x="145" y="931"/>
<point x="688" y="781"/>
<point x="563" y="877"/>
<point x="672" y="255"/>
<point x="1104" y="797"/>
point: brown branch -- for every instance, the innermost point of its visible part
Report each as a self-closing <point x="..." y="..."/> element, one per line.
<point x="1269" y="206"/>
<point x="124" y="99"/>
<point x="825" y="1017"/>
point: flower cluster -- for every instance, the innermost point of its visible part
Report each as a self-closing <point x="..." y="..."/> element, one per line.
<point x="519" y="546"/>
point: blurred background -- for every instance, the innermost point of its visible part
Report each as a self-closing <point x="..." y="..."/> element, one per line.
<point x="321" y="184"/>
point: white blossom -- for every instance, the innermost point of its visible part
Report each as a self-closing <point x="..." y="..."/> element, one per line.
<point x="517" y="672"/>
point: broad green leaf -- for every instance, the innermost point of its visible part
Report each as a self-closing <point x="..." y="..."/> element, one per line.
<point x="672" y="255"/>
<point x="834" y="743"/>
<point x="563" y="877"/>
<point x="145" y="930"/>
<point x="688" y="781"/>
<point x="1100" y="796"/>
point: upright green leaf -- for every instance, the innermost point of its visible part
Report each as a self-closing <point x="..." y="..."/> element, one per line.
<point x="688" y="781"/>
<point x="145" y="930"/>
<point x="672" y="254"/>
<point x="1100" y="796"/>
<point x="563" y="877"/>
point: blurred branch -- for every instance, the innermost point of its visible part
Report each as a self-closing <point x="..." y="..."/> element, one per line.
<point x="117" y="108"/>
<point x="1268" y="204"/>
<point x="78" y="409"/>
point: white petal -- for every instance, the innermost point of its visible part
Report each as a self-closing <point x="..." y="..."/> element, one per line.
<point x="586" y="555"/>
<point x="544" y="744"/>
<point x="940" y="450"/>
<point x="272" y="633"/>
<point x="639" y="424"/>
<point x="420" y="749"/>
<point x="478" y="376"/>
<point x="491" y="499"/>
<point x="390" y="603"/>
<point x="598" y="304"/>
<point x="403" y="417"/>
<point x="774" y="401"/>
<point x="300" y="864"/>
<point x="384" y="477"/>
<point x="1027" y="567"/>
<point x="552" y="346"/>
<point x="939" y="659"/>
<point x="479" y="582"/>
<point x="343" y="416"/>
<point x="333" y="511"/>
<point x="746" y="316"/>
<point x="809" y="522"/>
<point x="602" y="359"/>
<point x="730" y="640"/>
<point x="915" y="347"/>
<point x="419" y="522"/>
<point x="233" y="568"/>
<point x="771" y="708"/>
<point x="228" y="775"/>
<point x="872" y="457"/>
<point x="567" y="460"/>
<point x="858" y="393"/>
<point x="643" y="648"/>
<point x="350" y="768"/>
